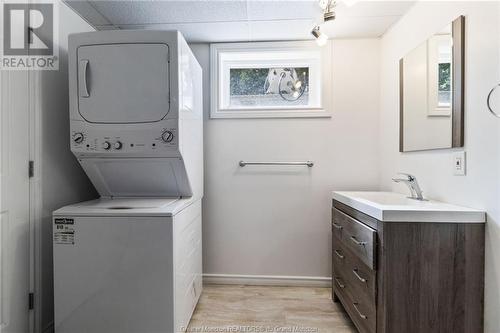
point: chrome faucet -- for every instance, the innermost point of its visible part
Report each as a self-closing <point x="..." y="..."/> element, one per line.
<point x="412" y="183"/>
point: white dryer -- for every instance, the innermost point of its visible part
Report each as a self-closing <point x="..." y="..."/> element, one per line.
<point x="136" y="112"/>
<point x="130" y="262"/>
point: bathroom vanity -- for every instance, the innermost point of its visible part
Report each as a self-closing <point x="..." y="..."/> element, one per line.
<point x="402" y="265"/>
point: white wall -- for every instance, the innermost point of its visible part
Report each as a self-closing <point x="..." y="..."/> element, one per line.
<point x="62" y="180"/>
<point x="275" y="220"/>
<point x="480" y="188"/>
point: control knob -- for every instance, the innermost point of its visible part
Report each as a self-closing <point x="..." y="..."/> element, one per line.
<point x="78" y="138"/>
<point x="167" y="136"/>
<point x="106" y="145"/>
<point x="118" y="145"/>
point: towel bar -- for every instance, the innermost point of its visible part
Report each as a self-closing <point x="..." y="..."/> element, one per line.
<point x="308" y="163"/>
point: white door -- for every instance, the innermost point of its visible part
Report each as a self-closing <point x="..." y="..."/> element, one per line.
<point x="14" y="203"/>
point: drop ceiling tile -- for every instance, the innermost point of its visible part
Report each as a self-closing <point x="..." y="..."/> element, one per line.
<point x="283" y="10"/>
<point x="203" y="32"/>
<point x="359" y="27"/>
<point x="169" y="11"/>
<point x="373" y="8"/>
<point x="281" y="30"/>
<point x="242" y="20"/>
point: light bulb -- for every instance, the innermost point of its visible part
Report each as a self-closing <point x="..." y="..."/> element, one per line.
<point x="323" y="4"/>
<point x="296" y="94"/>
<point x="322" y="39"/>
<point x="298" y="84"/>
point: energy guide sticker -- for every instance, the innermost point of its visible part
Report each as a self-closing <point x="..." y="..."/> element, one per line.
<point x="64" y="231"/>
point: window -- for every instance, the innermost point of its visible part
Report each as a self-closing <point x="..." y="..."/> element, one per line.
<point x="440" y="76"/>
<point x="444" y="85"/>
<point x="268" y="87"/>
<point x="263" y="80"/>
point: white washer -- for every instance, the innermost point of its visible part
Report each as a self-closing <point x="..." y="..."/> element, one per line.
<point x="127" y="265"/>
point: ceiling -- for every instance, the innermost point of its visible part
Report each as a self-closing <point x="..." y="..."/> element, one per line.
<point x="242" y="20"/>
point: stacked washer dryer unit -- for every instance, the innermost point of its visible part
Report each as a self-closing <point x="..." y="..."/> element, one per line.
<point x="131" y="260"/>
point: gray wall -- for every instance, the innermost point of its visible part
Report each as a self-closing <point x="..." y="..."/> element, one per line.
<point x="275" y="221"/>
<point x="62" y="179"/>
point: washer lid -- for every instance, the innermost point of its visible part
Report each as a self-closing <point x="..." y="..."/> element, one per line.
<point x="123" y="83"/>
<point x="129" y="203"/>
<point x="123" y="207"/>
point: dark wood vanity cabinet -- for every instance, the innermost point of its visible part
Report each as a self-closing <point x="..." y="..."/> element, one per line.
<point x="404" y="277"/>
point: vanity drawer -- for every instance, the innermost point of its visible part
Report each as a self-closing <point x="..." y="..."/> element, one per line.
<point x="362" y="314"/>
<point x="338" y="255"/>
<point x="354" y="272"/>
<point x="356" y="236"/>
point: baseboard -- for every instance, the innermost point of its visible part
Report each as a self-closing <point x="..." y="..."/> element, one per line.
<point x="49" y="328"/>
<point x="268" y="280"/>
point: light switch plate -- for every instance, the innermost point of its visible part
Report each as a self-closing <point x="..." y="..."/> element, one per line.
<point x="459" y="163"/>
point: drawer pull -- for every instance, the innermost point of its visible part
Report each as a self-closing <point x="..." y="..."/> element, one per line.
<point x="339" y="254"/>
<point x="341" y="285"/>
<point x="355" y="271"/>
<point x="337" y="226"/>
<point x="357" y="242"/>
<point x="357" y="310"/>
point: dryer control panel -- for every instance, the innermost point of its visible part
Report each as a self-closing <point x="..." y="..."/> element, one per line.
<point x="112" y="141"/>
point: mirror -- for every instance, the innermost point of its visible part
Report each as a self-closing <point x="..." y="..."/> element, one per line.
<point x="432" y="92"/>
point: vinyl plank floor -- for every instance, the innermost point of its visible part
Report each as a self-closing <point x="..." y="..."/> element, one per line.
<point x="238" y="308"/>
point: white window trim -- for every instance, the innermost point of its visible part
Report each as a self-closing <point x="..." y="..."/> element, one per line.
<point x="324" y="72"/>
<point x="434" y="59"/>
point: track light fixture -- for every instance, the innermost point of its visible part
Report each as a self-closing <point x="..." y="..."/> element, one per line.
<point x="321" y="38"/>
<point x="328" y="7"/>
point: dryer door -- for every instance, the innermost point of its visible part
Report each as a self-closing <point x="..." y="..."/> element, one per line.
<point x="123" y="83"/>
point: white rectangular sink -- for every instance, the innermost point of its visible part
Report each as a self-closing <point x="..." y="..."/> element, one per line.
<point x="396" y="207"/>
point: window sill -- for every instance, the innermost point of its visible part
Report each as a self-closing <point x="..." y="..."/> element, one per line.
<point x="266" y="113"/>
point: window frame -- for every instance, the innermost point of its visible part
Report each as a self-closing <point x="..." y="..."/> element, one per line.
<point x="434" y="60"/>
<point x="224" y="56"/>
